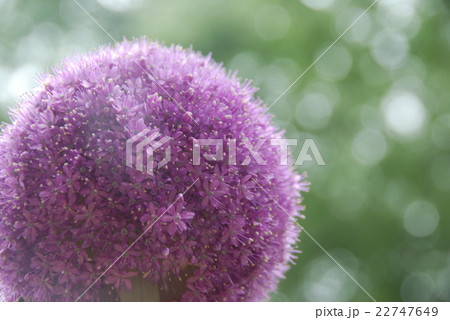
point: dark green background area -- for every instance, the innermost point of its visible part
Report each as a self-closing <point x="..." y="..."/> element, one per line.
<point x="376" y="104"/>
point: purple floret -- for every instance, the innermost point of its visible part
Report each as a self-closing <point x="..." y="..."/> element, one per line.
<point x="70" y="206"/>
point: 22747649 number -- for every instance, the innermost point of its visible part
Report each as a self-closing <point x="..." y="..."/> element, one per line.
<point x="406" y="311"/>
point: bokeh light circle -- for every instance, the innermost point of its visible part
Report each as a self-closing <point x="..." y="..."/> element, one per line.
<point x="421" y="218"/>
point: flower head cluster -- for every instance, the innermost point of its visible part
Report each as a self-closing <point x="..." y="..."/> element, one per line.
<point x="69" y="206"/>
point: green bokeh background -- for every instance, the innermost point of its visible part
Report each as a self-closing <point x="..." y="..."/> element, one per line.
<point x="376" y="104"/>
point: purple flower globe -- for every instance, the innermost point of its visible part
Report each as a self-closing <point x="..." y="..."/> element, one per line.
<point x="70" y="206"/>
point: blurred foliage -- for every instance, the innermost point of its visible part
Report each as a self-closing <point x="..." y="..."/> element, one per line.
<point x="376" y="104"/>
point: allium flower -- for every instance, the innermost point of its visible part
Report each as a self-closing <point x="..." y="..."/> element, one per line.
<point x="70" y="206"/>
